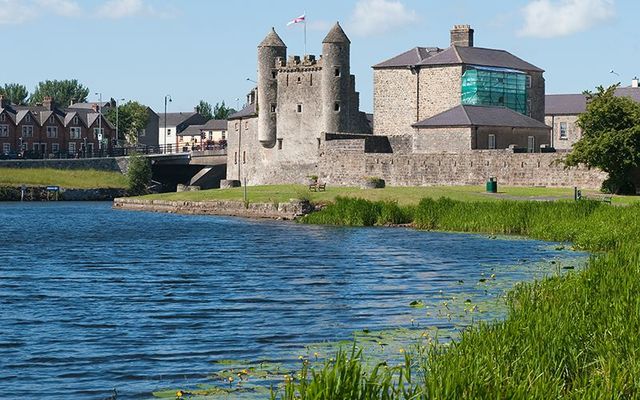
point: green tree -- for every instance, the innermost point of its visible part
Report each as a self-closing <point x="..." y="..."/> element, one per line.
<point x="63" y="92"/>
<point x="221" y="111"/>
<point x="132" y="118"/>
<point x="610" y="138"/>
<point x="17" y="93"/>
<point x="138" y="175"/>
<point x="203" y="108"/>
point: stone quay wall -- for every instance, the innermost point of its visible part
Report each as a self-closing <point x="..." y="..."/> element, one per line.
<point x="344" y="165"/>
<point x="286" y="211"/>
<point x="40" y="193"/>
<point x="117" y="164"/>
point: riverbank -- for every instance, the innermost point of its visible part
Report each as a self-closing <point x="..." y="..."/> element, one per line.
<point x="58" y="193"/>
<point x="277" y="210"/>
<point x="571" y="336"/>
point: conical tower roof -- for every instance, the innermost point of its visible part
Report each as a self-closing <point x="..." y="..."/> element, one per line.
<point x="272" y="40"/>
<point x="336" y="35"/>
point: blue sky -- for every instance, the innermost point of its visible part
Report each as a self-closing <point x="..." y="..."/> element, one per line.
<point x="205" y="49"/>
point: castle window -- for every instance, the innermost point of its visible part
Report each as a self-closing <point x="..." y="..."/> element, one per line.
<point x="319" y="142"/>
<point x="235" y="157"/>
<point x="310" y="79"/>
<point x="563" y="131"/>
<point x="274" y="74"/>
<point x="492" y="141"/>
<point x="336" y="106"/>
<point x="273" y="107"/>
<point x="244" y="157"/>
<point x="299" y="108"/>
<point x="236" y="124"/>
<point x="299" y="80"/>
<point x="336" y="71"/>
<point x="279" y="144"/>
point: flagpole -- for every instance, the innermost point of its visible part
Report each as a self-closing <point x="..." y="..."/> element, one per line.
<point x="305" y="33"/>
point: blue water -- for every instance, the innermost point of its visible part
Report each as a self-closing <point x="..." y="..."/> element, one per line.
<point x="93" y="299"/>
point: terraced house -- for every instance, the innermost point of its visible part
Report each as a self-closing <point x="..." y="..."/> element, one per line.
<point x="46" y="131"/>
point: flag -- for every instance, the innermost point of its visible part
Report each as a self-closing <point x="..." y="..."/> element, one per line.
<point x="296" y="20"/>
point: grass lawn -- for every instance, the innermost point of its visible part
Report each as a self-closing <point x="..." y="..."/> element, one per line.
<point x="403" y="195"/>
<point x="80" y="179"/>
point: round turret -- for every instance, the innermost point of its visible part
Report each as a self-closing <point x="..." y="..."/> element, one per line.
<point x="271" y="48"/>
<point x="336" y="80"/>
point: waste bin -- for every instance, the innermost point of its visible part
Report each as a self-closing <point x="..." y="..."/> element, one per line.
<point x="492" y="185"/>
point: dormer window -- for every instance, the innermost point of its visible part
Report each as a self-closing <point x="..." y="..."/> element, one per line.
<point x="2" y="117"/>
<point x="27" y="118"/>
<point x="75" y="120"/>
<point x="51" y="119"/>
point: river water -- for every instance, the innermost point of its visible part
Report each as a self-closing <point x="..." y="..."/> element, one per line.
<point x="93" y="299"/>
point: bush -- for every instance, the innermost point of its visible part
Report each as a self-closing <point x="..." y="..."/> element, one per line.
<point x="138" y="175"/>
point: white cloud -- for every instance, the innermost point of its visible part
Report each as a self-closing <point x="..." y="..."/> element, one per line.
<point x="20" y="11"/>
<point x="546" y="19"/>
<point x="126" y="8"/>
<point x="374" y="17"/>
<point x="65" y="8"/>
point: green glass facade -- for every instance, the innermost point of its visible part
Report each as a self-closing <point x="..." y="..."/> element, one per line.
<point x="487" y="86"/>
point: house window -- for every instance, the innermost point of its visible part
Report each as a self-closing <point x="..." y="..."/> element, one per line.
<point x="299" y="108"/>
<point x="142" y="133"/>
<point x="51" y="119"/>
<point x="336" y="106"/>
<point x="492" y="141"/>
<point x="279" y="144"/>
<point x="27" y="118"/>
<point x="236" y="124"/>
<point x="55" y="147"/>
<point x="273" y="107"/>
<point x="246" y="124"/>
<point x="36" y="146"/>
<point x="563" y="131"/>
<point x="52" y="131"/>
<point x="27" y="131"/>
<point x="98" y="131"/>
<point x="336" y="71"/>
<point x="169" y="132"/>
<point x="224" y="135"/>
<point x="72" y="147"/>
<point x="531" y="144"/>
<point x="529" y="81"/>
<point x="74" y="133"/>
<point x="4" y="130"/>
<point x="75" y="120"/>
<point x="2" y="117"/>
<point x="6" y="148"/>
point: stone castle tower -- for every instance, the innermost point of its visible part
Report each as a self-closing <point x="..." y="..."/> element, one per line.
<point x="309" y="96"/>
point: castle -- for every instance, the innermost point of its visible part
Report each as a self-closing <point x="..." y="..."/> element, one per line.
<point x="454" y="115"/>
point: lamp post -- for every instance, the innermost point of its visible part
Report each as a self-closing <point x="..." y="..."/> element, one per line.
<point x="117" y="122"/>
<point x="251" y="80"/>
<point x="166" y="97"/>
<point x="99" y="121"/>
<point x="614" y="72"/>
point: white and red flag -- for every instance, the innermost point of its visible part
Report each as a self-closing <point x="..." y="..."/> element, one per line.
<point x="296" y="20"/>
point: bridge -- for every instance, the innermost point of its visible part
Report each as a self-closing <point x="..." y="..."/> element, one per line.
<point x="196" y="168"/>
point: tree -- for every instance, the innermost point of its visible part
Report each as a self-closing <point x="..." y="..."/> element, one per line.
<point x="17" y="93"/>
<point x="221" y="111"/>
<point x="203" y="108"/>
<point x="610" y="138"/>
<point x="138" y="175"/>
<point x="63" y="92"/>
<point x="132" y="118"/>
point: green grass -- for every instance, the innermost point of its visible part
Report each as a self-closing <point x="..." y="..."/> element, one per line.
<point x="401" y="195"/>
<point x="80" y="179"/>
<point x="571" y="336"/>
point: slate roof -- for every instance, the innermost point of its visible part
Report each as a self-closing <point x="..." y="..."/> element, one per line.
<point x="336" y="35"/>
<point x="574" y="104"/>
<point x="247" y="112"/>
<point x="458" y="55"/>
<point x="89" y="106"/>
<point x="175" y="119"/>
<point x="467" y="115"/>
<point x="40" y="115"/>
<point x="211" y="125"/>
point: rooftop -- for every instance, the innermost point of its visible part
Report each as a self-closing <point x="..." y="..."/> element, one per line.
<point x="468" y="115"/>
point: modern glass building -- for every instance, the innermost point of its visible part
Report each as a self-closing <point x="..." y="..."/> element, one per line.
<point x="495" y="86"/>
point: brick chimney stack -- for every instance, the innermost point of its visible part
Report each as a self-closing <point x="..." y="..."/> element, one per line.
<point x="462" y="35"/>
<point x="47" y="103"/>
<point x="4" y="101"/>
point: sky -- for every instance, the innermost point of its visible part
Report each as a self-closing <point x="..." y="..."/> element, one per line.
<point x="190" y="50"/>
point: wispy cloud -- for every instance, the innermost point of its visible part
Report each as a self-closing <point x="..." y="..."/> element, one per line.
<point x="547" y="19"/>
<point x="16" y="12"/>
<point x="374" y="17"/>
<point x="65" y="8"/>
<point x="127" y="8"/>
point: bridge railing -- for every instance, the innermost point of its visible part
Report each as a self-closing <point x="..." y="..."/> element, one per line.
<point x="118" y="151"/>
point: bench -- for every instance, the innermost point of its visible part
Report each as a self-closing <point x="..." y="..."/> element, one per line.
<point x="317" y="187"/>
<point x="605" y="198"/>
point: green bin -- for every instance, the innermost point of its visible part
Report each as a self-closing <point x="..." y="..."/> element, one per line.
<point x="492" y="185"/>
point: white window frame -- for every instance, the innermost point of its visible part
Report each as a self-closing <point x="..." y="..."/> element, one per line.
<point x="98" y="131"/>
<point x="72" y="147"/>
<point x="27" y="131"/>
<point x="52" y="131"/>
<point x="4" y="130"/>
<point x="75" y="132"/>
<point x="142" y="133"/>
<point x="27" y="118"/>
<point x="491" y="141"/>
<point x="562" y="131"/>
<point x="55" y="147"/>
<point x="75" y="120"/>
<point x="6" y="148"/>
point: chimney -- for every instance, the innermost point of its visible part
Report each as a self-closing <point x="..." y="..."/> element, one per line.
<point x="4" y="101"/>
<point x="47" y="103"/>
<point x="462" y="35"/>
<point x="634" y="82"/>
<point x="95" y="107"/>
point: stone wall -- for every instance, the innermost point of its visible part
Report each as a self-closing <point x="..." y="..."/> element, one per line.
<point x="440" y="89"/>
<point x="454" y="140"/>
<point x="472" y="168"/>
<point x="573" y="131"/>
<point x="40" y="193"/>
<point x="394" y="101"/>
<point x="119" y="164"/>
<point x="288" y="210"/>
<point x="536" y="95"/>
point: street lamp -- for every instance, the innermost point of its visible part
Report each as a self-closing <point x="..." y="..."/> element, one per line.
<point x="99" y="121"/>
<point x="251" y="80"/>
<point x="166" y="97"/>
<point x="614" y="72"/>
<point x="117" y="121"/>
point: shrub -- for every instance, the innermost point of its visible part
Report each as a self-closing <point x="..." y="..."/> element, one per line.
<point x="138" y="175"/>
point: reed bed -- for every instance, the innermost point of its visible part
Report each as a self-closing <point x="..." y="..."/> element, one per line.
<point x="573" y="336"/>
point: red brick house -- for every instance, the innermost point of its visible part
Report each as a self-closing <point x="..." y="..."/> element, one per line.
<point x="44" y="131"/>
